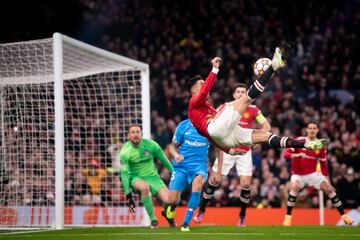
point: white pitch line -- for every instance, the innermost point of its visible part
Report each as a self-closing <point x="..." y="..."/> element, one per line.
<point x="171" y="233"/>
<point x="320" y="234"/>
<point x="30" y="231"/>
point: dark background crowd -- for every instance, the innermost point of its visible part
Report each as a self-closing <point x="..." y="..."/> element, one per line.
<point x="179" y="38"/>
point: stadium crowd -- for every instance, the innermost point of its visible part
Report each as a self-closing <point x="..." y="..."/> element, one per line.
<point x="322" y="82"/>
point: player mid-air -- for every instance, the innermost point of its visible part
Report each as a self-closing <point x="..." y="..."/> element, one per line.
<point x="221" y="127"/>
<point x="303" y="168"/>
<point x="190" y="152"/>
<point x="139" y="172"/>
<point x="243" y="163"/>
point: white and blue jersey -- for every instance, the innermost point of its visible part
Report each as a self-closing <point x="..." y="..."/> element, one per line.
<point x="194" y="148"/>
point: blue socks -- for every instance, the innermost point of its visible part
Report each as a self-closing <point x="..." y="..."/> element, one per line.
<point x="191" y="207"/>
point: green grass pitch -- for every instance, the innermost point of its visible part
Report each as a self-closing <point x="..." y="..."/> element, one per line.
<point x="196" y="233"/>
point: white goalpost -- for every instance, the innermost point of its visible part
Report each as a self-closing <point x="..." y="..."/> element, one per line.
<point x="65" y="109"/>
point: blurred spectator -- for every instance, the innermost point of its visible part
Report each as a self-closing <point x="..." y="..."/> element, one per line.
<point x="94" y="177"/>
<point x="349" y="189"/>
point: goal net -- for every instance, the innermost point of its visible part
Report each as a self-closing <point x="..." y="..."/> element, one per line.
<point x="65" y="107"/>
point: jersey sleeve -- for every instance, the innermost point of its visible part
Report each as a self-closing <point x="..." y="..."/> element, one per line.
<point x="322" y="155"/>
<point x="125" y="180"/>
<point x="287" y="153"/>
<point x="159" y="153"/>
<point x="323" y="162"/>
<point x="324" y="168"/>
<point x="205" y="88"/>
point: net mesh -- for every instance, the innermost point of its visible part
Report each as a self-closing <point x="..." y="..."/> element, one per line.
<point x="101" y="99"/>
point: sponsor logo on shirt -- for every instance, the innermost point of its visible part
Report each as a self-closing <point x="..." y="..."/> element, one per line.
<point x="195" y="143"/>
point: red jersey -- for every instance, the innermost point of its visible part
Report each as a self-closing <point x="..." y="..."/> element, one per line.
<point x="247" y="120"/>
<point x="306" y="165"/>
<point x="200" y="111"/>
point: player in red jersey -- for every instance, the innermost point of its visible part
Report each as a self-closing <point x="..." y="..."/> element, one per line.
<point x="221" y="128"/>
<point x="303" y="168"/>
<point x="243" y="163"/>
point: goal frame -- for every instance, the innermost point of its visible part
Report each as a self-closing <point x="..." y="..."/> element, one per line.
<point x="58" y="40"/>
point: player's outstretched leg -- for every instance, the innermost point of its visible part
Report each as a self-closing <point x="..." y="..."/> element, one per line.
<point x="259" y="85"/>
<point x="260" y="136"/>
<point x="286" y="142"/>
<point x="208" y="193"/>
<point x="241" y="104"/>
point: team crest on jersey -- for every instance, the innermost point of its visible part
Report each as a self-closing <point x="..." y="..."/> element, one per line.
<point x="146" y="153"/>
<point x="317" y="151"/>
<point x="246" y="115"/>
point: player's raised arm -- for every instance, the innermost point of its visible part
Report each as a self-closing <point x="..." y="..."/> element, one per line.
<point x="209" y="81"/>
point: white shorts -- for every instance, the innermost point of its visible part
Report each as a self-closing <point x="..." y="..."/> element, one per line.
<point x="313" y="179"/>
<point x="225" y="131"/>
<point x="244" y="165"/>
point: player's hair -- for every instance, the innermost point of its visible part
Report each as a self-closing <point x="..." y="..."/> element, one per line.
<point x="240" y="85"/>
<point x="313" y="121"/>
<point x="134" y="125"/>
<point x="192" y="81"/>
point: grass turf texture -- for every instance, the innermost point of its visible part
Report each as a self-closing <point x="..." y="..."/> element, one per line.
<point x="198" y="233"/>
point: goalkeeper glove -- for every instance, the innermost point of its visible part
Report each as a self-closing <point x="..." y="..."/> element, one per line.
<point x="130" y="202"/>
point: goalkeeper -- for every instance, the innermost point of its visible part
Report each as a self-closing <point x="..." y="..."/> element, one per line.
<point x="139" y="172"/>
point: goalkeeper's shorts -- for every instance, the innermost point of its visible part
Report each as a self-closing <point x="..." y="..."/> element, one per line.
<point x="155" y="183"/>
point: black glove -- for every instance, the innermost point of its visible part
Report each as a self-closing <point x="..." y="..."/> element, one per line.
<point x="130" y="202"/>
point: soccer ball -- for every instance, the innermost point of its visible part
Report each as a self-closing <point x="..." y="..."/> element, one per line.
<point x="261" y="65"/>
